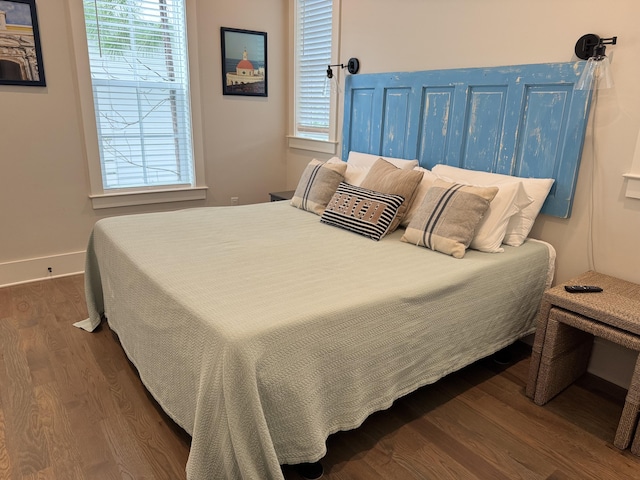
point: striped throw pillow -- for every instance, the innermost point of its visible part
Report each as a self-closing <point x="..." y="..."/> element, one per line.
<point x="448" y="217"/>
<point x="363" y="211"/>
<point x="317" y="185"/>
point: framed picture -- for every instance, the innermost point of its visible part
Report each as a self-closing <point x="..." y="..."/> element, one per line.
<point x="20" y="53"/>
<point x="244" y="62"/>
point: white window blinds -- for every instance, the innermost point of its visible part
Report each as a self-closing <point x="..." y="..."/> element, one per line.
<point x="140" y="82"/>
<point x="313" y="54"/>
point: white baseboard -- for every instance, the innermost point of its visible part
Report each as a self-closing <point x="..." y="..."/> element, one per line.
<point x="32" y="269"/>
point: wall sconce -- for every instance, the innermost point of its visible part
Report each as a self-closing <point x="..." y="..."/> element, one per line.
<point x="597" y="71"/>
<point x="352" y="66"/>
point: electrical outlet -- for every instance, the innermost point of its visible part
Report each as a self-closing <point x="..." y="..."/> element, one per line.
<point x="50" y="269"/>
<point x="235" y="201"/>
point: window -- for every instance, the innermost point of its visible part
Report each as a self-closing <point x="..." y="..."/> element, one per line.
<point x="139" y="85"/>
<point x="314" y="97"/>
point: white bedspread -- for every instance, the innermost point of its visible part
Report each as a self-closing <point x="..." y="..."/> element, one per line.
<point x="262" y="331"/>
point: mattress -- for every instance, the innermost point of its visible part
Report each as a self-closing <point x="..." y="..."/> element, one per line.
<point x="262" y="331"/>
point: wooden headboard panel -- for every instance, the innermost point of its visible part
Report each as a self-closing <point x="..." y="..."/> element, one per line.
<point x="524" y="120"/>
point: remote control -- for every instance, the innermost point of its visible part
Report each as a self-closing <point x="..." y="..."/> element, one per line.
<point x="582" y="288"/>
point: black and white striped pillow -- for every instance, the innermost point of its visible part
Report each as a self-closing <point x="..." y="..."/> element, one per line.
<point x="363" y="211"/>
<point x="448" y="217"/>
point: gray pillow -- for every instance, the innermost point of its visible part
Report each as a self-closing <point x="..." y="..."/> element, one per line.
<point x="448" y="216"/>
<point x="317" y="185"/>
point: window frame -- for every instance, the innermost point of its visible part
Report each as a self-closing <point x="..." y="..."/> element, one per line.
<point x="296" y="141"/>
<point x="118" y="197"/>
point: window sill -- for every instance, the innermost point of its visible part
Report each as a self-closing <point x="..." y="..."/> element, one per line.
<point x="147" y="197"/>
<point x="633" y="185"/>
<point x="320" y="146"/>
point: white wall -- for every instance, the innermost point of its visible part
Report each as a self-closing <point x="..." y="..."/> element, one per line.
<point x="45" y="211"/>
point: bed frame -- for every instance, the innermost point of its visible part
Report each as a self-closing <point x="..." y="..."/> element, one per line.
<point x="525" y="120"/>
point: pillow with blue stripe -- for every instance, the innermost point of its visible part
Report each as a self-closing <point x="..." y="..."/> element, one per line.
<point x="362" y="211"/>
<point x="317" y="185"/>
<point x="448" y="217"/>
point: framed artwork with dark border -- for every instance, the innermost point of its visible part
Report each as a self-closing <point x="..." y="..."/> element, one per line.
<point x="20" y="52"/>
<point x="244" y="62"/>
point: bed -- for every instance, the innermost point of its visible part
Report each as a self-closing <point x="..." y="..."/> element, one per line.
<point x="261" y="330"/>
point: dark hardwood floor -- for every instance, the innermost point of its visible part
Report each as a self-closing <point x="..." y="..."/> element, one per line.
<point x="73" y="407"/>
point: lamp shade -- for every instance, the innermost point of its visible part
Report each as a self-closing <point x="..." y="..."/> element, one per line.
<point x="596" y="74"/>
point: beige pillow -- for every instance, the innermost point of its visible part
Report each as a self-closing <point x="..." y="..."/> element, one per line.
<point x="367" y="160"/>
<point x="428" y="177"/>
<point x="519" y="224"/>
<point x="448" y="217"/>
<point x="387" y="178"/>
<point x="318" y="183"/>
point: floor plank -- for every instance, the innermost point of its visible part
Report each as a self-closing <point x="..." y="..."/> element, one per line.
<point x="25" y="441"/>
<point x="72" y="407"/>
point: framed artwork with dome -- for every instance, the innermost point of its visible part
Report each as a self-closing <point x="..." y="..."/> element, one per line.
<point x="20" y="52"/>
<point x="244" y="62"/>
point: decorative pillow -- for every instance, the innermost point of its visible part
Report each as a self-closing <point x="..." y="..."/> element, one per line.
<point x="448" y="217"/>
<point x="358" y="159"/>
<point x="386" y="178"/>
<point x="362" y="211"/>
<point x="521" y="223"/>
<point x="355" y="173"/>
<point x="428" y="177"/>
<point x="317" y="185"/>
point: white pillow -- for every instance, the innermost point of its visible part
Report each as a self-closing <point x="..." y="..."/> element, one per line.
<point x="428" y="178"/>
<point x="367" y="160"/>
<point x="510" y="199"/>
<point x="355" y="173"/>
<point x="521" y="223"/>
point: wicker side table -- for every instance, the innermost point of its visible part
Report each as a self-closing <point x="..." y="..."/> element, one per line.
<point x="567" y="324"/>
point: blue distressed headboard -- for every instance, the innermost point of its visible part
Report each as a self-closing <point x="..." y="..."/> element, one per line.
<point x="524" y="120"/>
